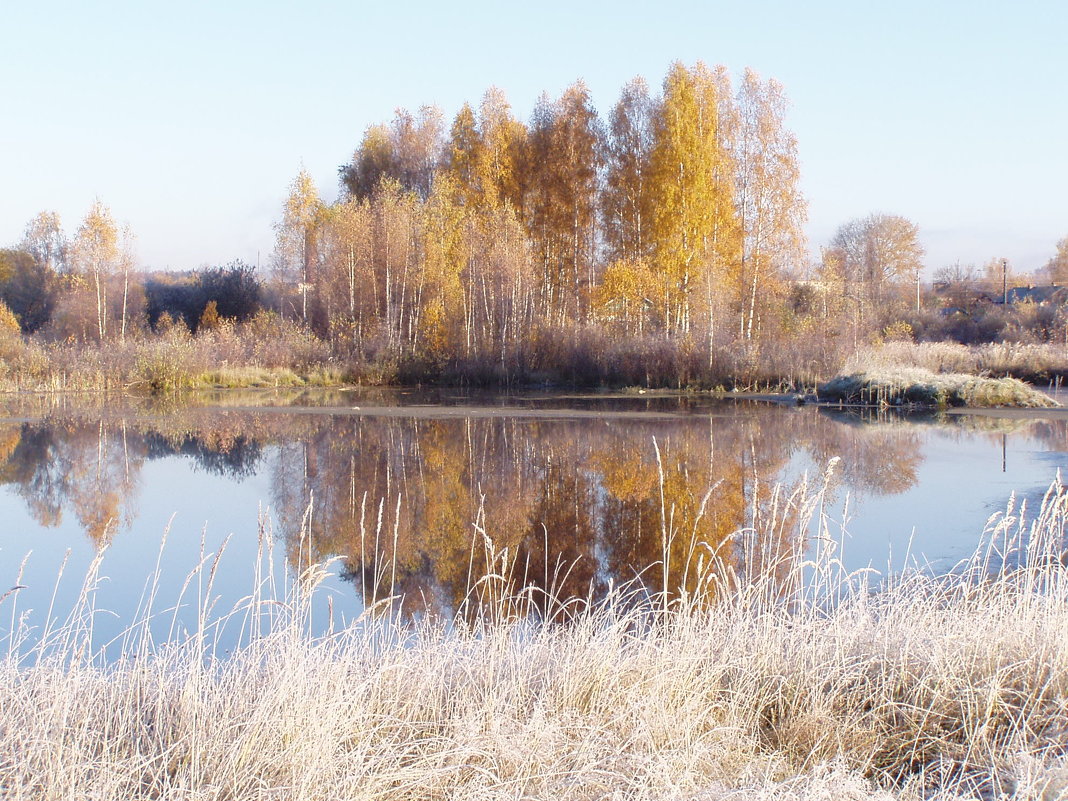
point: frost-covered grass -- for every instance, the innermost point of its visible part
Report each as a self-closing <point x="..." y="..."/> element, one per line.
<point x="1030" y="362"/>
<point x="948" y="374"/>
<point x="913" y="385"/>
<point x="800" y="683"/>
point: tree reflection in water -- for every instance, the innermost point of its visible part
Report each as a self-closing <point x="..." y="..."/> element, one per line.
<point x="420" y="506"/>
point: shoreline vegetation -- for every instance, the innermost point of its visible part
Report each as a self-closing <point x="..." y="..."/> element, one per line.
<point x="917" y="387"/>
<point x="277" y="354"/>
<point x="795" y="682"/>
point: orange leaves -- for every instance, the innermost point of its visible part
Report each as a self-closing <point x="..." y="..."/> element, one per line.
<point x="631" y="296"/>
<point x="694" y="229"/>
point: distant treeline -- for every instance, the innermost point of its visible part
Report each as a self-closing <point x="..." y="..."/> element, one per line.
<point x="662" y="244"/>
<point x="679" y="215"/>
<point x="86" y="287"/>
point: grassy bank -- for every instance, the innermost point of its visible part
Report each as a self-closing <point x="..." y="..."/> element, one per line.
<point x="277" y="353"/>
<point x="1034" y="363"/>
<point x="270" y="352"/>
<point x="913" y="386"/>
<point x="945" y="374"/>
<point x="800" y="683"/>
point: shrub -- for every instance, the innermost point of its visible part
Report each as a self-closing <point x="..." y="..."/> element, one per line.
<point x="209" y="318"/>
<point x="166" y="364"/>
<point x="899" y="331"/>
<point x="9" y="323"/>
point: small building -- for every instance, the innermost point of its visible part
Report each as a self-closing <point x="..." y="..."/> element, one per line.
<point x="1052" y="295"/>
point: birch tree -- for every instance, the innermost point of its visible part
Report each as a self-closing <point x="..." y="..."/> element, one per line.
<point x="504" y="139"/>
<point x="44" y="240"/>
<point x="444" y="307"/>
<point x="100" y="251"/>
<point x="560" y="200"/>
<point x="693" y="233"/>
<point x="1057" y="267"/>
<point x="295" y="241"/>
<point x="871" y="258"/>
<point x="417" y="148"/>
<point x="624" y="201"/>
<point x="348" y="280"/>
<point x="771" y="209"/>
<point x="408" y="151"/>
<point x="877" y="252"/>
<point x="464" y="156"/>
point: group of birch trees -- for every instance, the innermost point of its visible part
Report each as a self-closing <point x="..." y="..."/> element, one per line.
<point x="81" y="286"/>
<point x="680" y="215"/>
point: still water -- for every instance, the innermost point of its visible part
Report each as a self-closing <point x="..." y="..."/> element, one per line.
<point x="417" y="494"/>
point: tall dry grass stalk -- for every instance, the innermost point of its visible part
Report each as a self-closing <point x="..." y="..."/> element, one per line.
<point x="803" y="681"/>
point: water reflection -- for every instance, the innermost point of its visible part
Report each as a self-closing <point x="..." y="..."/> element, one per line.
<point x="87" y="469"/>
<point x="564" y="497"/>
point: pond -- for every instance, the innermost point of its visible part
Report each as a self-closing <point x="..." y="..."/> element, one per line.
<point x="416" y="494"/>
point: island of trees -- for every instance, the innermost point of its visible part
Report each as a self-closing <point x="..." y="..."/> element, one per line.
<point x="662" y="246"/>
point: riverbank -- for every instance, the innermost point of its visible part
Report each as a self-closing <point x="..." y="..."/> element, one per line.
<point x="798" y="684"/>
<point x="284" y="355"/>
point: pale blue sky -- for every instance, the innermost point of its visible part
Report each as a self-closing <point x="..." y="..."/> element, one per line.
<point x="190" y="119"/>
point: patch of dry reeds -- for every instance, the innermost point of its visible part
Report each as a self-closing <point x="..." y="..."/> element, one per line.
<point x="266" y="351"/>
<point x="1036" y="363"/>
<point x="801" y="682"/>
<point x="896" y="386"/>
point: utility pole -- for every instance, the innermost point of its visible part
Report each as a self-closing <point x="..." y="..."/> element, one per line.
<point x="1004" y="282"/>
